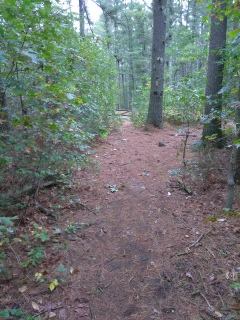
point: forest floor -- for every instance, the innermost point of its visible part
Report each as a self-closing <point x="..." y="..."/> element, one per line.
<point x="147" y="238"/>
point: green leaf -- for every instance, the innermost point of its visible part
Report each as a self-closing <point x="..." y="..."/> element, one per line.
<point x="212" y="137"/>
<point x="5" y="313"/>
<point x="235" y="285"/>
<point x="5" y="161"/>
<point x="53" y="284"/>
<point x="26" y="262"/>
<point x="53" y="126"/>
<point x="7" y="221"/>
<point x="16" y="312"/>
<point x="234" y="33"/>
<point x="237" y="143"/>
<point x="61" y="268"/>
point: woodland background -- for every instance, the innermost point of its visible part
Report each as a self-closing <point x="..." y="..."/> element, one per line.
<point x="62" y="78"/>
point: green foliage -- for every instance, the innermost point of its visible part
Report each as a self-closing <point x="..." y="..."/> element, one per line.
<point x="140" y="104"/>
<point x="53" y="284"/>
<point x="237" y="143"/>
<point x="17" y="314"/>
<point x="40" y="233"/>
<point x="6" y="231"/>
<point x="8" y="313"/>
<point x="57" y="92"/>
<point x="61" y="269"/>
<point x="184" y="102"/>
<point x="5" y="223"/>
<point x="71" y="228"/>
<point x="212" y="218"/>
<point x="36" y="255"/>
<point x="235" y="285"/>
<point x="3" y="269"/>
<point x="128" y="35"/>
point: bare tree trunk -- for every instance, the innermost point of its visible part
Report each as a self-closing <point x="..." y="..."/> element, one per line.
<point x="81" y="17"/>
<point x="233" y="172"/>
<point x="88" y="19"/>
<point x="4" y="124"/>
<point x="155" y="110"/>
<point x="119" y="83"/>
<point x="215" y="73"/>
<point x="130" y="62"/>
<point x="231" y="183"/>
<point x="237" y="123"/>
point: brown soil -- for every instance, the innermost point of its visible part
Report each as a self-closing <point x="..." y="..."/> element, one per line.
<point x="149" y="249"/>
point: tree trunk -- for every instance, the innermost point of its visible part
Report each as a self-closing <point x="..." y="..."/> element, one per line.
<point x="119" y="84"/>
<point x="155" y="110"/>
<point x="233" y="172"/>
<point x="230" y="179"/>
<point x="81" y="17"/>
<point x="4" y="123"/>
<point x="237" y="168"/>
<point x="215" y="73"/>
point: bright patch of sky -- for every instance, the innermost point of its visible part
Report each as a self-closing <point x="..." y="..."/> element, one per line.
<point x="94" y="9"/>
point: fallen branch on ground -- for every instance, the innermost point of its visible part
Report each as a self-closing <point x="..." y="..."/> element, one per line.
<point x="86" y="208"/>
<point x="199" y="239"/>
<point x="45" y="210"/>
<point x="188" y="250"/>
<point x="183" y="186"/>
<point x="14" y="199"/>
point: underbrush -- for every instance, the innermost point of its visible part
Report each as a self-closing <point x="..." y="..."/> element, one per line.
<point x="33" y="245"/>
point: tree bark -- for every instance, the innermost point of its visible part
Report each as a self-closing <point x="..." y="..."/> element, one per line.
<point x="215" y="73"/>
<point x="81" y="17"/>
<point x="233" y="172"/>
<point x="4" y="123"/>
<point x="155" y="111"/>
<point x="237" y="168"/>
<point x="230" y="179"/>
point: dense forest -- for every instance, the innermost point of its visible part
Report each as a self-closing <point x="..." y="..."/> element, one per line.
<point x="61" y="83"/>
<point x="63" y="77"/>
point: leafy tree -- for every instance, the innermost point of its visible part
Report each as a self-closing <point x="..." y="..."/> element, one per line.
<point x="126" y="26"/>
<point x="185" y="63"/>
<point x="57" y="93"/>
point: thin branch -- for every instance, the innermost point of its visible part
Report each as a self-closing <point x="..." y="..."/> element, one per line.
<point x="199" y="239"/>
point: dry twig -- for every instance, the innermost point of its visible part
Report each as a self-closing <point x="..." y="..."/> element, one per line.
<point x="45" y="210"/>
<point x="199" y="239"/>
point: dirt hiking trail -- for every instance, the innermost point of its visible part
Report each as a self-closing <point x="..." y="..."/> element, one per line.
<point x="151" y="254"/>
<point x="150" y="249"/>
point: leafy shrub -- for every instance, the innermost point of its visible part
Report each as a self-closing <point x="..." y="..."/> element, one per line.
<point x="184" y="102"/>
<point x="140" y="105"/>
<point x="56" y="93"/>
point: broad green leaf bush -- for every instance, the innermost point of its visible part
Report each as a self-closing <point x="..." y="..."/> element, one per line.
<point x="57" y="92"/>
<point x="140" y="104"/>
<point x="184" y="102"/>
